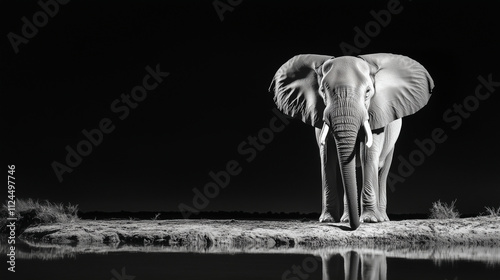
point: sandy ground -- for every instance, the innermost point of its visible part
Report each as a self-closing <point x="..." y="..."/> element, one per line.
<point x="454" y="239"/>
<point x="213" y="234"/>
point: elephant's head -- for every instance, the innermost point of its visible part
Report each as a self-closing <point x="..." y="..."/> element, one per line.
<point x="343" y="94"/>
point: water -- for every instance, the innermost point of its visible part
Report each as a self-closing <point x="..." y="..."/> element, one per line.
<point x="136" y="263"/>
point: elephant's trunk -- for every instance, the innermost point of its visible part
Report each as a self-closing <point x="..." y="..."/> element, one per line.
<point x="347" y="161"/>
<point x="345" y="129"/>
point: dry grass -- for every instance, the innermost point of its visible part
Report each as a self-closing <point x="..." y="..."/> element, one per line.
<point x="156" y="216"/>
<point x="441" y="210"/>
<point x="492" y="212"/>
<point x="40" y="212"/>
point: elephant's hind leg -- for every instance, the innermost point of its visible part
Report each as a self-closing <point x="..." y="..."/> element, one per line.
<point x="392" y="134"/>
<point x="384" y="172"/>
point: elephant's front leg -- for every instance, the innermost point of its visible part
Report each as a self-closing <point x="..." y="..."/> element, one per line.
<point x="370" y="194"/>
<point x="331" y="190"/>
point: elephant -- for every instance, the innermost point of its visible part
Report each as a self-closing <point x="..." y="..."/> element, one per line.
<point x="355" y="104"/>
<point x="372" y="265"/>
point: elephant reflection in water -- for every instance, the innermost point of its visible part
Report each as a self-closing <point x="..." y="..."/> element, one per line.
<point x="372" y="266"/>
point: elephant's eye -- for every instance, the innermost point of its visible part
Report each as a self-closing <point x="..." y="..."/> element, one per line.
<point x="367" y="94"/>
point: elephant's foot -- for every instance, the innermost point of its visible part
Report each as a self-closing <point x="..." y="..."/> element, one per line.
<point x="384" y="215"/>
<point x="345" y="217"/>
<point x="326" y="217"/>
<point x="371" y="216"/>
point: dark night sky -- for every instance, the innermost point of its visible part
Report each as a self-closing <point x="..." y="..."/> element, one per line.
<point x="67" y="76"/>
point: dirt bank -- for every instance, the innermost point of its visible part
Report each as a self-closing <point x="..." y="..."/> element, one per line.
<point x="213" y="234"/>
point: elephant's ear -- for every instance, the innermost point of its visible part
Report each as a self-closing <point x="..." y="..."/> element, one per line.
<point x="296" y="88"/>
<point x="402" y="87"/>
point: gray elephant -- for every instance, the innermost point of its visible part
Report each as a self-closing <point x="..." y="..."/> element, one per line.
<point x="356" y="105"/>
<point x="373" y="265"/>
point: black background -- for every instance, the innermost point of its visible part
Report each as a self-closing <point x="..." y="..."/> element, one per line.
<point x="65" y="78"/>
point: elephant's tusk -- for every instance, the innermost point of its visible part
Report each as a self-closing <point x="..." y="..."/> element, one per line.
<point x="369" y="136"/>
<point x="324" y="133"/>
